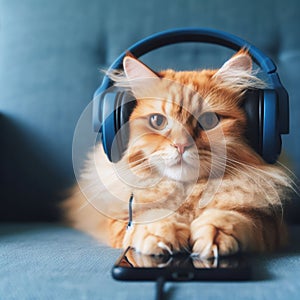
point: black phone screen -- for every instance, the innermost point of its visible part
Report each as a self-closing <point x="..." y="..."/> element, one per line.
<point x="180" y="267"/>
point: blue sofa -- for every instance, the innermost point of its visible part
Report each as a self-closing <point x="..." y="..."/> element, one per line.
<point x="50" y="56"/>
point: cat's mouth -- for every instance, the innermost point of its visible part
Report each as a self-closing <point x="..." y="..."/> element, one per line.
<point x="182" y="169"/>
<point x="176" y="166"/>
<point x="180" y="160"/>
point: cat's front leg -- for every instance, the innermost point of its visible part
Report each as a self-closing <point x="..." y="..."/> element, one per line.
<point x="221" y="232"/>
<point x="169" y="234"/>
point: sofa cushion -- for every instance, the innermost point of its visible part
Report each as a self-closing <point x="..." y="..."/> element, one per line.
<point x="47" y="261"/>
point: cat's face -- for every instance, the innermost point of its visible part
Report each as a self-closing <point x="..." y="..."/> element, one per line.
<point x="173" y="132"/>
<point x="186" y="125"/>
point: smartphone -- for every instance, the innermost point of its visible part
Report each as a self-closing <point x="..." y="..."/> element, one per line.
<point x="180" y="267"/>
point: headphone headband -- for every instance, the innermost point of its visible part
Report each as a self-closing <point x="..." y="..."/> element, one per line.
<point x="183" y="35"/>
<point x="211" y="36"/>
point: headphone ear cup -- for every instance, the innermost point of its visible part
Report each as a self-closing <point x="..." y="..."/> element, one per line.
<point x="271" y="138"/>
<point x="104" y="114"/>
<point x="252" y="104"/>
<point x="124" y="105"/>
<point x="112" y="112"/>
<point x="261" y="107"/>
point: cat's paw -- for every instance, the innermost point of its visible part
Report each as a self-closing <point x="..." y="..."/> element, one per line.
<point x="209" y="241"/>
<point x="162" y="237"/>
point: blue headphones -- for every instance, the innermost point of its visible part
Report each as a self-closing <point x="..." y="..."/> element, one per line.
<point x="267" y="110"/>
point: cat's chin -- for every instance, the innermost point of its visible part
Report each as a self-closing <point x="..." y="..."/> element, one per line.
<point x="182" y="173"/>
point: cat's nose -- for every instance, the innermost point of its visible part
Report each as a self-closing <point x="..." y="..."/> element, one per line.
<point x="181" y="147"/>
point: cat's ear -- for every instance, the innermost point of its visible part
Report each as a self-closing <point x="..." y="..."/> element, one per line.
<point x="140" y="77"/>
<point x="240" y="62"/>
<point x="237" y="73"/>
<point x="135" y="69"/>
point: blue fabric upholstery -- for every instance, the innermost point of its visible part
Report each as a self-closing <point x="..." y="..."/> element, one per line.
<point x="50" y="56"/>
<point x="46" y="261"/>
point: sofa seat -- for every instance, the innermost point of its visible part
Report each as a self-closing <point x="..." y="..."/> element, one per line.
<point x="50" y="261"/>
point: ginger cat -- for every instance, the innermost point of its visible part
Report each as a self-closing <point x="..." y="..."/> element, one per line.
<point x="197" y="184"/>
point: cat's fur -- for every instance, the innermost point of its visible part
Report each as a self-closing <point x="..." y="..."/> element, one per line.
<point x="243" y="211"/>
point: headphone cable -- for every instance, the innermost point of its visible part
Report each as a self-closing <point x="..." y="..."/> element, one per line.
<point x="129" y="225"/>
<point x="159" y="295"/>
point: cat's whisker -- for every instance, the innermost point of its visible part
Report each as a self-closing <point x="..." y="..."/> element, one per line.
<point x="139" y="160"/>
<point x="246" y="172"/>
<point x="252" y="178"/>
<point x="251" y="167"/>
<point x="145" y="165"/>
<point x="293" y="177"/>
<point x="283" y="179"/>
<point x="287" y="169"/>
<point x="132" y="165"/>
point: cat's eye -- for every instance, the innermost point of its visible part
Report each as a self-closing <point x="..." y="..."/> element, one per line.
<point x="208" y="120"/>
<point x="158" y="121"/>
